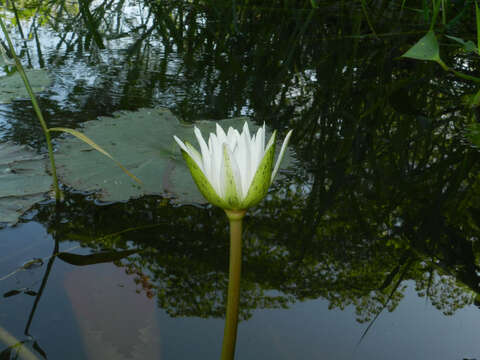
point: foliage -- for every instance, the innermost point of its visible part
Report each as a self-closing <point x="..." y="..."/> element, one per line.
<point x="427" y="48"/>
<point x="386" y="193"/>
<point x="13" y="87"/>
<point x="23" y="178"/>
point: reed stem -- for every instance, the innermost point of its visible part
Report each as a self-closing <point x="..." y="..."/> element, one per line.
<point x="36" y="107"/>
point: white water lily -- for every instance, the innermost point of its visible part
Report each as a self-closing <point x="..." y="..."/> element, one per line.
<point x="234" y="170"/>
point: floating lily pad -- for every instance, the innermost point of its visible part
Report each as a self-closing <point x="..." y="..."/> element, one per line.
<point x="143" y="142"/>
<point x="12" y="86"/>
<point x="23" y="180"/>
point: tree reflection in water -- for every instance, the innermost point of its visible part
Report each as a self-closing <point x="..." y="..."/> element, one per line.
<point x="385" y="191"/>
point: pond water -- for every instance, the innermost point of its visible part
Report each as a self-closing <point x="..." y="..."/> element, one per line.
<point x="367" y="246"/>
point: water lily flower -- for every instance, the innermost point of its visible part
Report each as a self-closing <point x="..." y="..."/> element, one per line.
<point x="234" y="170"/>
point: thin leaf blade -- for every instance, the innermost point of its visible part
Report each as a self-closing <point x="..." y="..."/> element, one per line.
<point x="97" y="147"/>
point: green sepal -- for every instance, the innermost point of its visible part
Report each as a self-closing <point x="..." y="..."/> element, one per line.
<point x="261" y="181"/>
<point x="203" y="183"/>
<point x="231" y="195"/>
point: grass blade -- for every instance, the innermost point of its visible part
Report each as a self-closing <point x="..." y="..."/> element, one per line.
<point x="97" y="147"/>
<point x="36" y="107"/>
<point x="367" y="17"/>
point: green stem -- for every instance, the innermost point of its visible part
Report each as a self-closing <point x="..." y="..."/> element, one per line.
<point x="436" y="8"/>
<point x="465" y="76"/>
<point x="233" y="299"/>
<point x="367" y="17"/>
<point x="457" y="73"/>
<point x="36" y="108"/>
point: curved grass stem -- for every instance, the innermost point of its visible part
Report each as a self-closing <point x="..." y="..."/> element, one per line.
<point x="36" y="107"/>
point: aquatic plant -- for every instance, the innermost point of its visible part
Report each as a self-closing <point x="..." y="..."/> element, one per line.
<point x="427" y="49"/>
<point x="36" y="107"/>
<point x="233" y="172"/>
<point x="43" y="123"/>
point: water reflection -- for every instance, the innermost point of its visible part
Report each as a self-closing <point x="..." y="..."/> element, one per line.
<point x="180" y="252"/>
<point x="348" y="257"/>
<point x="385" y="192"/>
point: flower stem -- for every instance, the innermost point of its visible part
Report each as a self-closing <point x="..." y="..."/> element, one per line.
<point x="231" y="320"/>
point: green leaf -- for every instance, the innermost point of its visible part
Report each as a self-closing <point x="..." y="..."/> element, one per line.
<point x="425" y="49"/>
<point x="23" y="180"/>
<point x="468" y="46"/>
<point x="143" y="142"/>
<point x="12" y="86"/>
<point x="94" y="145"/>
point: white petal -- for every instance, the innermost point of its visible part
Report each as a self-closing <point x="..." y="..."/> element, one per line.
<point x="231" y="138"/>
<point x="246" y="131"/>
<point x="195" y="156"/>
<point x="222" y="137"/>
<point x="263" y="138"/>
<point x="216" y="154"/>
<point x="258" y="149"/>
<point x="201" y="141"/>
<point x="206" y="158"/>
<point x="280" y="156"/>
<point x="236" y="174"/>
<point x="244" y="161"/>
<point x="190" y="150"/>
<point x="221" y="176"/>
<point x="180" y="143"/>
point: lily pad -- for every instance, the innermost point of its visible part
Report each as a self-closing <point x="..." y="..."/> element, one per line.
<point x="12" y="86"/>
<point x="143" y="142"/>
<point x="23" y="178"/>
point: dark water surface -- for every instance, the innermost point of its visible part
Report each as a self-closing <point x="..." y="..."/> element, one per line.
<point x="375" y="227"/>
